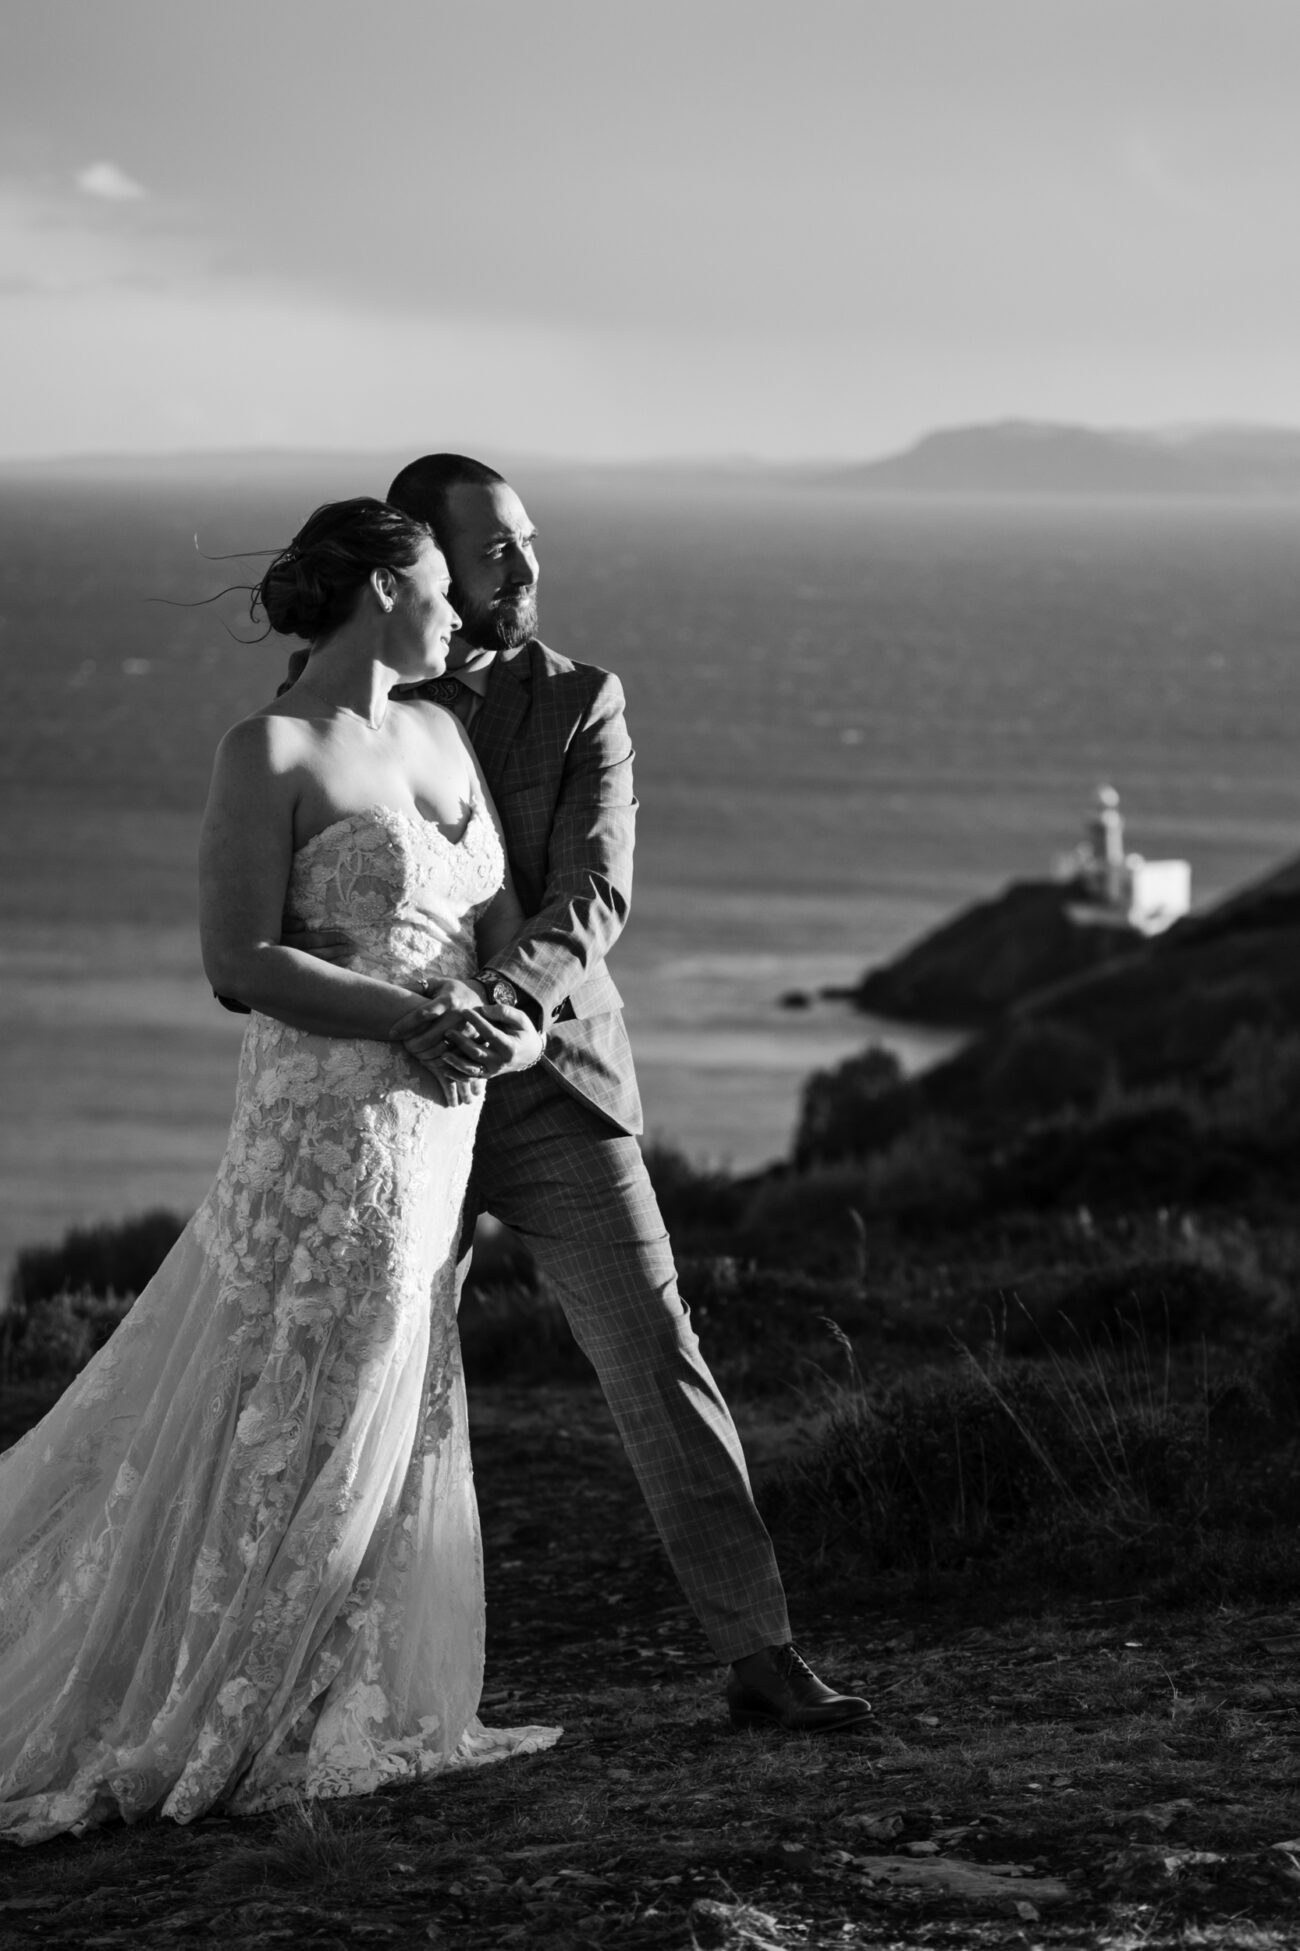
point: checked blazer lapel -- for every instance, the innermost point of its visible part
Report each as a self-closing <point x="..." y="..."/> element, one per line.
<point x="509" y="695"/>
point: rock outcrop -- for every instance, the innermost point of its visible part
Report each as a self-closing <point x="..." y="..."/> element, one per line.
<point x="989" y="958"/>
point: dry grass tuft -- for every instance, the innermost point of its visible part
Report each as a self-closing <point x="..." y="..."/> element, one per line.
<point x="1123" y="1460"/>
<point x="312" y="1846"/>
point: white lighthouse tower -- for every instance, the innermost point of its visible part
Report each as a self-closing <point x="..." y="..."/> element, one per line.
<point x="1117" y="887"/>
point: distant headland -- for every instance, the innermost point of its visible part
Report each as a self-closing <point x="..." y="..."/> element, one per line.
<point x="1036" y="457"/>
<point x="1009" y="458"/>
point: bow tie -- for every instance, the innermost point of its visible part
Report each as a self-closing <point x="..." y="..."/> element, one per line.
<point x="443" y="690"/>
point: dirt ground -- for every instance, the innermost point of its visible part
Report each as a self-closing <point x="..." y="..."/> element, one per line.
<point x="1103" y="1774"/>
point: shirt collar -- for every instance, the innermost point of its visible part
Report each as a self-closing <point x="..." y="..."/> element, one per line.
<point x="474" y="675"/>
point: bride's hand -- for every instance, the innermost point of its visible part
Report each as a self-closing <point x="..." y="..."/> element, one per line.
<point x="488" y="1042"/>
<point x="456" y="1089"/>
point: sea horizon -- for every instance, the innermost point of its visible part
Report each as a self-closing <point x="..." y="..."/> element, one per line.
<point x="1055" y="441"/>
<point x="853" y="716"/>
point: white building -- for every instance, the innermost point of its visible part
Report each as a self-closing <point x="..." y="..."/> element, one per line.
<point x="1116" y="887"/>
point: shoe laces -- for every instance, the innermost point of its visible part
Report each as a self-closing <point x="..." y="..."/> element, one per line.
<point x="790" y="1661"/>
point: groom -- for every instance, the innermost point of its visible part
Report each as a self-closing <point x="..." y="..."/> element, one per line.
<point x="556" y="1158"/>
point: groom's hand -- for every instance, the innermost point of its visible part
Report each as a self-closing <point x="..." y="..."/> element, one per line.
<point x="424" y="1027"/>
<point x="424" y="1030"/>
<point x="326" y="944"/>
<point x="475" y="1043"/>
<point x="492" y="1042"/>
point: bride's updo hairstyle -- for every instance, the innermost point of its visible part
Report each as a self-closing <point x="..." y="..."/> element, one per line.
<point x="312" y="586"/>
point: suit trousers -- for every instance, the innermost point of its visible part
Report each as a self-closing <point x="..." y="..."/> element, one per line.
<point x="576" y="1190"/>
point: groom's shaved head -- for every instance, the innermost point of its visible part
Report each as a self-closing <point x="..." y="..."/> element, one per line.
<point x="423" y="488"/>
<point x="484" y="531"/>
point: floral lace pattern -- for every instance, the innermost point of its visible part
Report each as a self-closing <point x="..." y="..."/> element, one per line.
<point x="239" y="1559"/>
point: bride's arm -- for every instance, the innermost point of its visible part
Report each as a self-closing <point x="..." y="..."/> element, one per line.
<point x="500" y="923"/>
<point x="465" y="1037"/>
<point x="245" y="857"/>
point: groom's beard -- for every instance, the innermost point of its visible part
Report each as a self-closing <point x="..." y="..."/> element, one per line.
<point x="502" y="624"/>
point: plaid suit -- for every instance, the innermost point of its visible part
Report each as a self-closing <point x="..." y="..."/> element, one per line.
<point x="554" y="749"/>
<point x="557" y="1159"/>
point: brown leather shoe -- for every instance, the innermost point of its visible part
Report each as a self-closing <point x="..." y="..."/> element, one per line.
<point x="776" y="1687"/>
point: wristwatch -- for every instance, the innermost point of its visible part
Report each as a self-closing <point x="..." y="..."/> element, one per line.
<point x="501" y="993"/>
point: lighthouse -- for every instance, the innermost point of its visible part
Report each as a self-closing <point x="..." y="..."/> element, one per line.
<point x="1104" y="848"/>
<point x="1117" y="888"/>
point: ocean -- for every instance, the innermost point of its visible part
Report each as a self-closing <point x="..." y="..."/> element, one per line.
<point x="853" y="714"/>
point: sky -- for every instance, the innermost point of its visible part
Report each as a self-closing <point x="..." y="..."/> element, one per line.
<point x="627" y="229"/>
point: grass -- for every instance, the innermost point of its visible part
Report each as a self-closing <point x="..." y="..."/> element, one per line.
<point x="1089" y="1750"/>
<point x="1088" y="1471"/>
<point x="323" y="1847"/>
<point x="517" y="1327"/>
<point x="1030" y="1457"/>
<point x="1088" y="1742"/>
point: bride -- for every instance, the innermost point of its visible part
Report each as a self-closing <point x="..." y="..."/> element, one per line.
<point x="239" y="1559"/>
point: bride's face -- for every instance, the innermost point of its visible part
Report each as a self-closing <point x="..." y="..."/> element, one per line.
<point x="422" y="618"/>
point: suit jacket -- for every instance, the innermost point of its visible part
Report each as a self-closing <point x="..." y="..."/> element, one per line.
<point x="554" y="748"/>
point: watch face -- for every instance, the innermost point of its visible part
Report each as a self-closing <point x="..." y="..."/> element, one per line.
<point x="501" y="992"/>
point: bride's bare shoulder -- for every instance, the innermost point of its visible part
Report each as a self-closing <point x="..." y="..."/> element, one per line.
<point x="268" y="739"/>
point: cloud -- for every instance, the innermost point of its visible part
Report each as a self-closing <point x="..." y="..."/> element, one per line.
<point x="55" y="239"/>
<point x="107" y="180"/>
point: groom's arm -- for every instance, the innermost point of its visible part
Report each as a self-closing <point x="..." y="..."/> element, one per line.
<point x="588" y="885"/>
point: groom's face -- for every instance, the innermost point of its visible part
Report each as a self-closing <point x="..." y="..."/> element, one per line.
<point x="490" y="550"/>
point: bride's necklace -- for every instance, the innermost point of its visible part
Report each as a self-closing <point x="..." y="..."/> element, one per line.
<point x="347" y="711"/>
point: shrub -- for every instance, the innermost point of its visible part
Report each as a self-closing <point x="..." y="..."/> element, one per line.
<point x="1136" y="1150"/>
<point x="1158" y="1302"/>
<point x="854" y="1108"/>
<point x="810" y="1221"/>
<point x="946" y="1462"/>
<point x="65" y="1300"/>
<point x="1278" y="1372"/>
<point x="1257" y="1080"/>
<point x="1041" y="1066"/>
<point x="518" y="1330"/>
<point x="696" y="1201"/>
<point x="1032" y="1461"/>
<point x="1209" y="1015"/>
<point x="766" y="1329"/>
<point x="53" y="1340"/>
<point x="925" y="1174"/>
<point x="113" y="1258"/>
<point x="816" y="1219"/>
<point x="501" y="1258"/>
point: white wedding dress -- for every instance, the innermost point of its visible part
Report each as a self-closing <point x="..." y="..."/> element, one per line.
<point x="239" y="1559"/>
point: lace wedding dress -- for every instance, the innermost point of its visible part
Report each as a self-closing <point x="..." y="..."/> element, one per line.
<point x="239" y="1559"/>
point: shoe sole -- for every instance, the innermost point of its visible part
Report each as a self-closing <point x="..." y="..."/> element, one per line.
<point x="751" y="1717"/>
